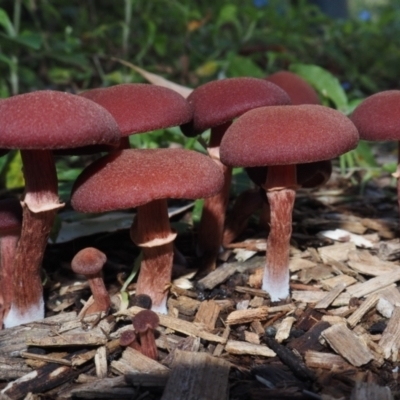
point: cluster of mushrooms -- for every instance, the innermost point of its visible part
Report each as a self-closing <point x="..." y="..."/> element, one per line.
<point x="275" y="128"/>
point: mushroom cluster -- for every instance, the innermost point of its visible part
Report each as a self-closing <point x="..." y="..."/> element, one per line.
<point x="254" y="123"/>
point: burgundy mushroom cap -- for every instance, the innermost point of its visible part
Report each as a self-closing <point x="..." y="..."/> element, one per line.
<point x="281" y="135"/>
<point x="145" y="320"/>
<point x="49" y="119"/>
<point x="141" y="107"/>
<point x="309" y="175"/>
<point x="88" y="261"/>
<point x="127" y="338"/>
<point x="133" y="177"/>
<point x="299" y="90"/>
<point x="217" y="102"/>
<point x="378" y="116"/>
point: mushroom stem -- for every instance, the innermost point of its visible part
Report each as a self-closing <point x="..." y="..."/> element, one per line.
<point x="212" y="221"/>
<point x="148" y="344"/>
<point x="281" y="193"/>
<point x="39" y="209"/>
<point x="151" y="231"/>
<point x="100" y="295"/>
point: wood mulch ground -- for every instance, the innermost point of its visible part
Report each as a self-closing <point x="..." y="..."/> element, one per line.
<point x="337" y="338"/>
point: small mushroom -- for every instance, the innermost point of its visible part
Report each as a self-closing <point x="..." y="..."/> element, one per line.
<point x="215" y="105"/>
<point x="89" y="262"/>
<point x="145" y="323"/>
<point x="130" y="339"/>
<point x="281" y="137"/>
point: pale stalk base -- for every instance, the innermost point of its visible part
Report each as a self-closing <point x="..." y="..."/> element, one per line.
<point x="17" y="317"/>
<point x="276" y="273"/>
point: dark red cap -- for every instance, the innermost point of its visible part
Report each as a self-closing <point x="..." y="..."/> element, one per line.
<point x="141" y="107"/>
<point x="217" y="102"/>
<point x="134" y="177"/>
<point x="299" y="90"/>
<point x="281" y="135"/>
<point x="378" y="116"/>
<point x="88" y="261"/>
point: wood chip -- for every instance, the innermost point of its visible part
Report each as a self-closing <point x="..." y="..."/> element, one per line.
<point x="329" y="284"/>
<point x="369" y="303"/>
<point x="246" y="316"/>
<point x="185" y="305"/>
<point x="374" y="284"/>
<point x="390" y="340"/>
<point x="346" y="343"/>
<point x="300" y="264"/>
<point x="284" y="328"/>
<point x="338" y="251"/>
<point x="197" y="376"/>
<point x="237" y="347"/>
<point x="370" y="391"/>
<point x="218" y="276"/>
<point x="100" y="362"/>
<point x="207" y="314"/>
<point x="388" y="299"/>
<point x="329" y="361"/>
<point x="326" y="301"/>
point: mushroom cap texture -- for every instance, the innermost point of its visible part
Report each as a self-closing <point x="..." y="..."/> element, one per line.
<point x="378" y="116"/>
<point x="48" y="119"/>
<point x="141" y="107"/>
<point x="10" y="215"/>
<point x="217" y="102"/>
<point x="88" y="261"/>
<point x="144" y="320"/>
<point x="281" y="135"/>
<point x="133" y="177"/>
<point x="127" y="337"/>
<point x="299" y="90"/>
<point x="309" y="175"/>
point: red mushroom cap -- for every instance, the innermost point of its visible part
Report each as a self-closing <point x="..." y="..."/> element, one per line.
<point x="54" y="120"/>
<point x="88" y="261"/>
<point x="378" y="116"/>
<point x="217" y="102"/>
<point x="299" y="90"/>
<point x="134" y="177"/>
<point x="144" y="320"/>
<point x="141" y="107"/>
<point x="127" y="337"/>
<point x="281" y="135"/>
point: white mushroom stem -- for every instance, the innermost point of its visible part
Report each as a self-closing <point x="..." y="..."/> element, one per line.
<point x="152" y="225"/>
<point x="39" y="209"/>
<point x="281" y="193"/>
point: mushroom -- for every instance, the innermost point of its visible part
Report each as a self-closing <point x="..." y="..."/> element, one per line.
<point x="90" y="262"/>
<point x="36" y="123"/>
<point x="281" y="137"/>
<point x="145" y="323"/>
<point x="215" y="105"/>
<point x="299" y="90"/>
<point x="10" y="229"/>
<point x="141" y="107"/>
<point x="130" y="339"/>
<point x="146" y="178"/>
<point x="377" y="118"/>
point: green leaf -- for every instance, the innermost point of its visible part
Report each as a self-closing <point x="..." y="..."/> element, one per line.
<point x="6" y="23"/>
<point x="243" y="66"/>
<point x="324" y="82"/>
<point x="197" y="210"/>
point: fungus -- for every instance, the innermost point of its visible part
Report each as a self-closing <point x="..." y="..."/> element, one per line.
<point x="146" y="178"/>
<point x="145" y="323"/>
<point x="141" y="107"/>
<point x="37" y="123"/>
<point x="281" y="137"/>
<point x="90" y="262"/>
<point x="377" y="118"/>
<point x="130" y="339"/>
<point x="215" y="105"/>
